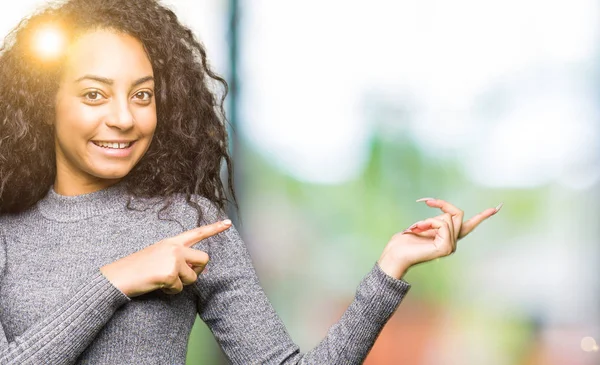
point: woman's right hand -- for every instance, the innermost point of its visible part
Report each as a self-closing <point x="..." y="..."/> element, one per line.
<point x="168" y="264"/>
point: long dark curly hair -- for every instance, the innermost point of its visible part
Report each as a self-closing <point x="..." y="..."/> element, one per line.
<point x="190" y="142"/>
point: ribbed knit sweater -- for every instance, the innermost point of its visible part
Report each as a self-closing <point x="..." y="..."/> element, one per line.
<point x="56" y="307"/>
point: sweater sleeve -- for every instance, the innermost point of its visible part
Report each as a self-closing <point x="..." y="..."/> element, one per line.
<point x="64" y="334"/>
<point x="249" y="331"/>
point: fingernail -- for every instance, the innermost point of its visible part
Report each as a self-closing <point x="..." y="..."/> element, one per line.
<point x="409" y="229"/>
<point x="424" y="199"/>
<point x="414" y="225"/>
<point x="227" y="222"/>
<point x="498" y="208"/>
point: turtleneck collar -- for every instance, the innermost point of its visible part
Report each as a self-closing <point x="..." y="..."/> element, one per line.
<point x="64" y="208"/>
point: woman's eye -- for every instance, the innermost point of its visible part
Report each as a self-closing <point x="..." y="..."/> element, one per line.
<point x="143" y="95"/>
<point x="92" y="96"/>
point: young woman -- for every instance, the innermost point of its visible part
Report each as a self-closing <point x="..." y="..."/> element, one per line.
<point x="113" y="232"/>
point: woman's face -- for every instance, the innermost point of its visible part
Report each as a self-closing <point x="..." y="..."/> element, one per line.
<point x="105" y="111"/>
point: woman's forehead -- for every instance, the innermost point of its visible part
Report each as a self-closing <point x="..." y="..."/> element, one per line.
<point x="108" y="54"/>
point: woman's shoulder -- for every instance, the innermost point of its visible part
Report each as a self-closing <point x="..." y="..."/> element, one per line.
<point x="208" y="207"/>
<point x="189" y="211"/>
<point x="15" y="219"/>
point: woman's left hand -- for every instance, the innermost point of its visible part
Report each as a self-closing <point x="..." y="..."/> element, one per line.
<point x="430" y="238"/>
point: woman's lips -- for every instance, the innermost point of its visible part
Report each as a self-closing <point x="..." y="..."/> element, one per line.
<point x="115" y="152"/>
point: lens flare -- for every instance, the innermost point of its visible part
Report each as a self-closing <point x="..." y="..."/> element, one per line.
<point x="588" y="344"/>
<point x="49" y="42"/>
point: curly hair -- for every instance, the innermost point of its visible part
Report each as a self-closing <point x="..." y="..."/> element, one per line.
<point x="190" y="140"/>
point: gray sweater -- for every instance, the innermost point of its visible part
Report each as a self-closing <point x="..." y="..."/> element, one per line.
<point x="57" y="308"/>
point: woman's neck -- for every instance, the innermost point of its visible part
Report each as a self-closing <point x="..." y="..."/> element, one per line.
<point x="73" y="187"/>
<point x="71" y="208"/>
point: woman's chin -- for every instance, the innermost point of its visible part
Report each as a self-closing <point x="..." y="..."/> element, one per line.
<point x="109" y="170"/>
<point x="111" y="175"/>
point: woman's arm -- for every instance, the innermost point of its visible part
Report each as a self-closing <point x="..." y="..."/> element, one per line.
<point x="235" y="307"/>
<point x="64" y="334"/>
<point x="248" y="330"/>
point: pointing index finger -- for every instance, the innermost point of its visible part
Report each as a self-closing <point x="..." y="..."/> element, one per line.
<point x="193" y="236"/>
<point x="472" y="223"/>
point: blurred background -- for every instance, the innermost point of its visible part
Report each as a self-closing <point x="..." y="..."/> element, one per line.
<point x="344" y="113"/>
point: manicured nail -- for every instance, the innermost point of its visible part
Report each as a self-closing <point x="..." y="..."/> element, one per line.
<point x="227" y="222"/>
<point x="414" y="226"/>
<point x="424" y="199"/>
<point x="498" y="208"/>
<point x="409" y="229"/>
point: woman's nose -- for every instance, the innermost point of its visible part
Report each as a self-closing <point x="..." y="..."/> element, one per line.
<point x="121" y="116"/>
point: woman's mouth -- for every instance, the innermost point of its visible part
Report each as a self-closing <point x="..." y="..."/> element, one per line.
<point x="113" y="145"/>
<point x="114" y="149"/>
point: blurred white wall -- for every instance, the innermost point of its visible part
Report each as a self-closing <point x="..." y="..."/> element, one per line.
<point x="503" y="83"/>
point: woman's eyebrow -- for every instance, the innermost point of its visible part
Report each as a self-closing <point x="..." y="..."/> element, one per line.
<point x="107" y="81"/>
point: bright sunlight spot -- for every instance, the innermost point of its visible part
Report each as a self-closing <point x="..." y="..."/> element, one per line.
<point x="49" y="42"/>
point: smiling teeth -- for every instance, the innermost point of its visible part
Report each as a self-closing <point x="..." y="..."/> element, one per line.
<point x="113" y="145"/>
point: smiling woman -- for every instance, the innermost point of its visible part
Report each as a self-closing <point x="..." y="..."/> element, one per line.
<point x="110" y="160"/>
<point x="105" y="111"/>
<point x="114" y="64"/>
